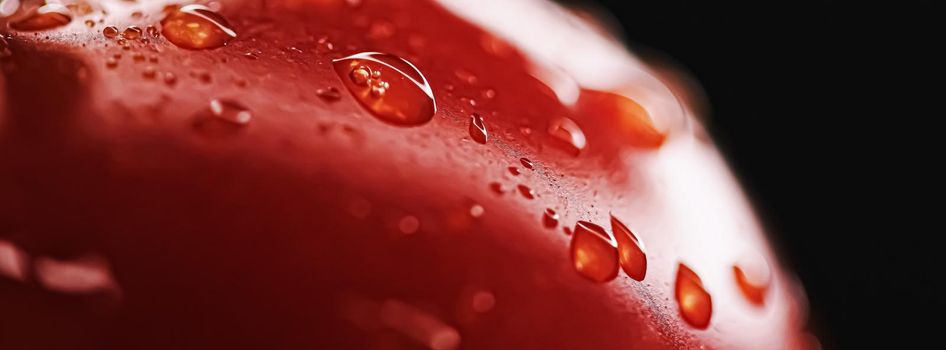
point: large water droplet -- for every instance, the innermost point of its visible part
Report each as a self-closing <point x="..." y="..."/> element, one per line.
<point x="753" y="276"/>
<point x="196" y="27"/>
<point x="568" y="132"/>
<point x="478" y="128"/>
<point x="632" y="121"/>
<point x="695" y="303"/>
<point x="132" y="33"/>
<point x="110" y="32"/>
<point x="630" y="250"/>
<point x="526" y="163"/>
<point x="526" y="191"/>
<point x="388" y="86"/>
<point x="594" y="253"/>
<point x="48" y="16"/>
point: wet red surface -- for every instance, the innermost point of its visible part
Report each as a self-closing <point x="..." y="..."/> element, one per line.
<point x="301" y="221"/>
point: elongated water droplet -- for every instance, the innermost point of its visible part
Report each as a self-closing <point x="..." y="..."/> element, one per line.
<point x="696" y="305"/>
<point x="630" y="250"/>
<point x="478" y="128"/>
<point x="497" y="188"/>
<point x="526" y="191"/>
<point x="753" y="276"/>
<point x="514" y="171"/>
<point x="632" y="122"/>
<point x="568" y="133"/>
<point x="526" y="163"/>
<point x="388" y="86"/>
<point x="196" y="27"/>
<point x="329" y="94"/>
<point x="549" y="218"/>
<point x="594" y="252"/>
<point x="48" y="16"/>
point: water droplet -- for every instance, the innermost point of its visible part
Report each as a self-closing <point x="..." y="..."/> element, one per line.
<point x="489" y="93"/>
<point x="149" y="72"/>
<point x="224" y="115"/>
<point x="89" y="274"/>
<point x="138" y="57"/>
<point x="630" y="250"/>
<point x="110" y="32"/>
<point x="476" y="210"/>
<point x="633" y="123"/>
<point x="478" y="129"/>
<point x="48" y="16"/>
<point x="152" y="31"/>
<point x="132" y="33"/>
<point x="13" y="261"/>
<point x="526" y="163"/>
<point x="753" y="277"/>
<point x="497" y="188"/>
<point x="329" y="94"/>
<point x="202" y="75"/>
<point x="514" y="171"/>
<point x="408" y="224"/>
<point x="466" y="76"/>
<point x="89" y="23"/>
<point x="5" y="48"/>
<point x="549" y="218"/>
<point x="568" y="132"/>
<point x="111" y="62"/>
<point x="196" y="27"/>
<point x="526" y="191"/>
<point x="136" y="14"/>
<point x="695" y="303"/>
<point x="388" y="86"/>
<point x="170" y="79"/>
<point x="594" y="253"/>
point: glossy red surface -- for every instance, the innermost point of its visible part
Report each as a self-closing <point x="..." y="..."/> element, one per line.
<point x="302" y="219"/>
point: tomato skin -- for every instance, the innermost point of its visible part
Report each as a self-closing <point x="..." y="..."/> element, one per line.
<point x="289" y="232"/>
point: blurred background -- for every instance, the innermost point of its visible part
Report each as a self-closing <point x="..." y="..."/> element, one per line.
<point x="823" y="110"/>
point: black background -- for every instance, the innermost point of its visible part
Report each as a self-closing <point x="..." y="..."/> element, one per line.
<point x="827" y="113"/>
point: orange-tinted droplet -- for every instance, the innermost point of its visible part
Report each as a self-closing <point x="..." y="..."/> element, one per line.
<point x="48" y="16"/>
<point x="478" y="128"/>
<point x="152" y="31"/>
<point x="132" y="33"/>
<point x="631" y="251"/>
<point x="633" y="122"/>
<point x="696" y="305"/>
<point x="526" y="191"/>
<point x="568" y="133"/>
<point x="753" y="277"/>
<point x="526" y="163"/>
<point x="549" y="218"/>
<point x="594" y="253"/>
<point x="388" y="86"/>
<point x="196" y="27"/>
<point x="110" y="32"/>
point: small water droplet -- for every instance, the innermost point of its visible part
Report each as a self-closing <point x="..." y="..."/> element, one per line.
<point x="149" y="72"/>
<point x="526" y="163"/>
<point x="222" y="116"/>
<point x="478" y="129"/>
<point x="476" y="210"/>
<point x="89" y="23"/>
<point x="136" y="14"/>
<point x="489" y="93"/>
<point x="111" y="62"/>
<point x="753" y="276"/>
<point x="152" y="31"/>
<point x="514" y="171"/>
<point x="329" y="94"/>
<point x="594" y="253"/>
<point x="465" y="76"/>
<point x="549" y="218"/>
<point x="408" y="224"/>
<point x="170" y="79"/>
<point x="48" y="16"/>
<point x="526" y="191"/>
<point x="138" y="57"/>
<point x="497" y="188"/>
<point x="483" y="301"/>
<point x="696" y="305"/>
<point x="630" y="250"/>
<point x="132" y="33"/>
<point x="196" y="27"/>
<point x="110" y="32"/>
<point x="202" y="75"/>
<point x="390" y="87"/>
<point x="568" y="132"/>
